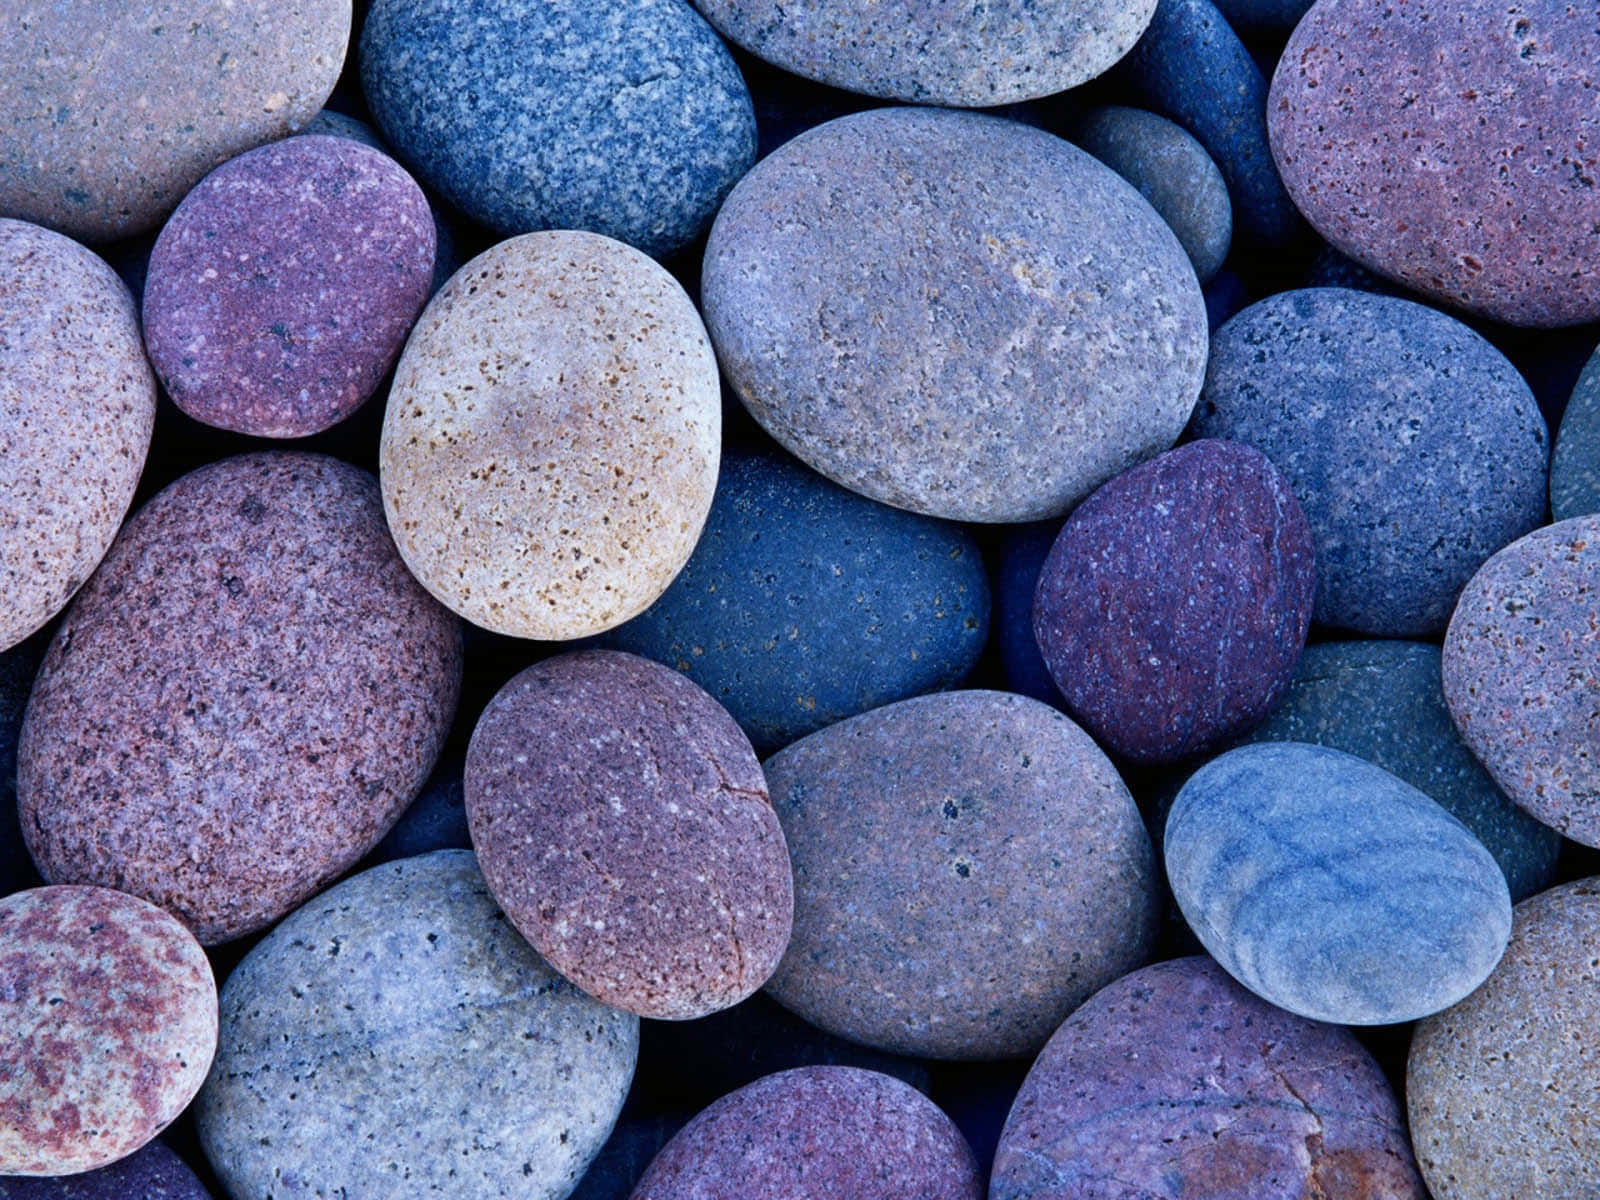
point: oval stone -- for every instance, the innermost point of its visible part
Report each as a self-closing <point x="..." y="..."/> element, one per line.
<point x="968" y="868"/>
<point x="1331" y="888"/>
<point x="151" y="1173"/>
<point x="1575" y="466"/>
<point x="550" y="447"/>
<point x="952" y="313"/>
<point x="243" y="699"/>
<point x="108" y="1023"/>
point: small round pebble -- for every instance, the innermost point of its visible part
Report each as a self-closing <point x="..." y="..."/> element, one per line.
<point x="79" y="403"/>
<point x="550" y="448"/>
<point x="968" y="868"/>
<point x="395" y="1038"/>
<point x="282" y="288"/>
<point x="816" y="1133"/>
<point x="108" y="1023"/>
<point x="242" y="701"/>
<point x="1522" y="673"/>
<point x="1176" y="1082"/>
<point x="151" y="1173"/>
<point x="1575" y="467"/>
<point x="1331" y="888"/>
<point x="955" y="314"/>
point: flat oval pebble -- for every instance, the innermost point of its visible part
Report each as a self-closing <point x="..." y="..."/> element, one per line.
<point x="550" y="447"/>
<point x="114" y="111"/>
<point x="1176" y="1082"/>
<point x="151" y="1173"/>
<point x="1331" y="888"/>
<point x="1522" y="673"/>
<point x="954" y="314"/>
<point x="1454" y="147"/>
<point x="816" y="1133"/>
<point x="968" y="868"/>
<point x="396" y="1038"/>
<point x="804" y="604"/>
<point x="624" y="826"/>
<point x="1415" y="447"/>
<point x="243" y="699"/>
<point x="281" y="290"/>
<point x="1504" y="1088"/>
<point x="108" y="1022"/>
<point x="80" y="404"/>
<point x="631" y="121"/>
<point x="1575" y="466"/>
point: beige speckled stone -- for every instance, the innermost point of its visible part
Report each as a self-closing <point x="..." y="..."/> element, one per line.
<point x="77" y="403"/>
<point x="551" y="443"/>
<point x="109" y="113"/>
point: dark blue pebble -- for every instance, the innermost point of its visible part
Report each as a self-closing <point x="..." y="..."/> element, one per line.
<point x="152" y="1172"/>
<point x="626" y="1154"/>
<point x="436" y="820"/>
<point x="1016" y="578"/>
<point x="1252" y="17"/>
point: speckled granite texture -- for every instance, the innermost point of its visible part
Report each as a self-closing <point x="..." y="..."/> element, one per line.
<point x="151" y="1173"/>
<point x="1575" y="467"/>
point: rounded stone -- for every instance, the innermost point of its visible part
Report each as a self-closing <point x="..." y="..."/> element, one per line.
<point x="630" y="121"/>
<point x="968" y="868"/>
<point x="797" y="585"/>
<point x="816" y="1133"/>
<point x="954" y="314"/>
<point x="1176" y="1082"/>
<point x="1454" y="147"/>
<point x="281" y="290"/>
<point x="113" y="112"/>
<point x="1331" y="888"/>
<point x="151" y="1173"/>
<point x="1415" y="447"/>
<point x="550" y="447"/>
<point x="1575" y="466"/>
<point x="396" y="1038"/>
<point x="108" y="1022"/>
<point x="1522" y="674"/>
<point x="80" y="404"/>
<point x="242" y="700"/>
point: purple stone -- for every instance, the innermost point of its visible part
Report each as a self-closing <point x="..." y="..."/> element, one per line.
<point x="151" y="1173"/>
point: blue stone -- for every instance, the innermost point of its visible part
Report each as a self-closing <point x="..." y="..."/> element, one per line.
<point x="1575" y="469"/>
<point x="1263" y="16"/>
<point x="436" y="819"/>
<point x="1016" y="578"/>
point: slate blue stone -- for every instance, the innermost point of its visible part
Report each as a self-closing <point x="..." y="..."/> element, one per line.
<point x="1226" y="295"/>
<point x="17" y="668"/>
<point x="436" y="819"/>
<point x="627" y="120"/>
<point x="1263" y="16"/>
<point x="1331" y="888"/>
<point x="804" y="603"/>
<point x="625" y="1155"/>
<point x="153" y="1172"/>
<point x="1575" y="468"/>
<point x="1016" y="578"/>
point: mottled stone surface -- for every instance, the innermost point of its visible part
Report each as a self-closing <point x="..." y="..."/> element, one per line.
<point x="804" y="604"/>
<point x="953" y="313"/>
<point x="816" y="1133"/>
<point x="1452" y="146"/>
<point x="283" y="286"/>
<point x="396" y="1038"/>
<point x="1522" y="673"/>
<point x="242" y="700"/>
<point x="1176" y="1082"/>
<point x="151" y="1173"/>
<point x="1575" y="466"/>
<point x="79" y="403"/>
<point x="1331" y="888"/>
<point x="17" y="667"/>
<point x="550" y="447"/>
<point x="436" y="819"/>
<point x="1504" y="1088"/>
<point x="968" y="868"/>
<point x="1172" y="171"/>
<point x="114" y="111"/>
<point x="1175" y="601"/>
<point x="108" y="1021"/>
<point x="1415" y="447"/>
<point x="631" y="121"/>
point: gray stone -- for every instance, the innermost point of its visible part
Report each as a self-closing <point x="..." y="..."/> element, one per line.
<point x="1575" y="466"/>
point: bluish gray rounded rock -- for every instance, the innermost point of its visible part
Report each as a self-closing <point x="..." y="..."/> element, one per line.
<point x="1331" y="888"/>
<point x="1575" y="467"/>
<point x="627" y="120"/>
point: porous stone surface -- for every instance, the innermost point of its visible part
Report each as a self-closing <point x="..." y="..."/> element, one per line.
<point x="550" y="448"/>
<point x="624" y="826"/>
<point x="1331" y="888"/>
<point x="400" y="1016"/>
<point x="1575" y="466"/>
<point x="1176" y="1082"/>
<point x="952" y="313"/>
<point x="281" y="290"/>
<point x="113" y="112"/>
<point x="80" y="404"/>
<point x="108" y="1022"/>
<point x="150" y="1173"/>
<point x="1415" y="447"/>
<point x="631" y="121"/>
<point x="242" y="700"/>
<point x="816" y="1133"/>
<point x="1453" y="147"/>
<point x="968" y="868"/>
<point x="1174" y="604"/>
<point x="1522" y="674"/>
